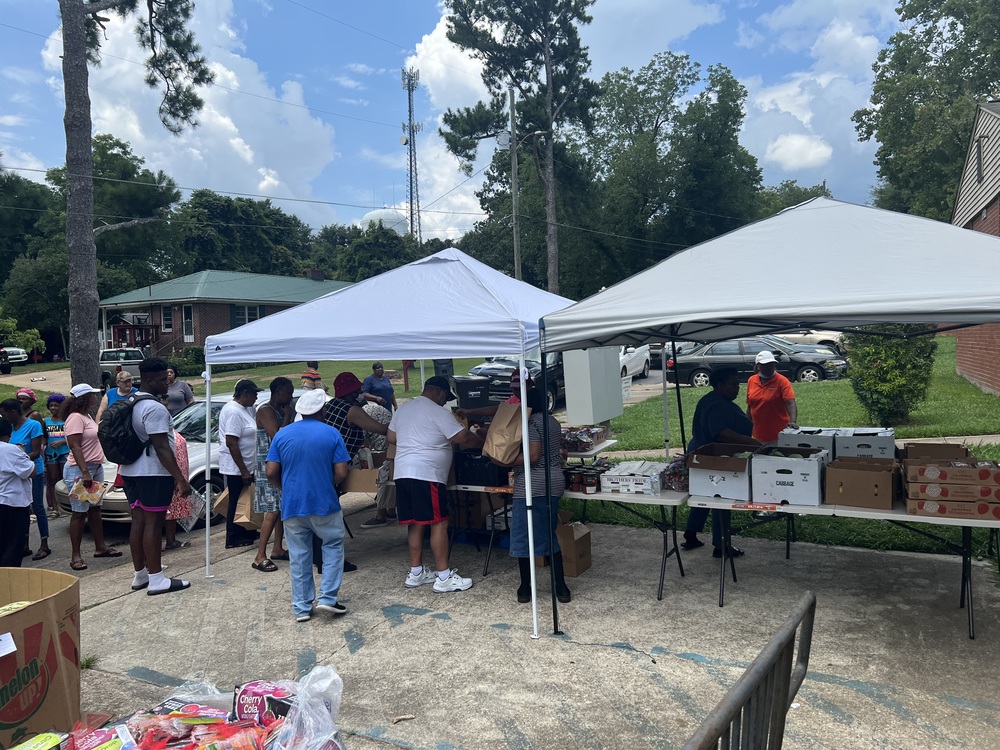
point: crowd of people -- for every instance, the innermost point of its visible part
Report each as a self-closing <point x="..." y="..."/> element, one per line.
<point x="292" y="459"/>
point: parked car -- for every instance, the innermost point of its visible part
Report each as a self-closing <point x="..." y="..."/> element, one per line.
<point x="781" y="341"/>
<point x="113" y="361"/>
<point x="808" y="336"/>
<point x="499" y="369"/>
<point x="16" y="355"/>
<point x="656" y="351"/>
<point x="696" y="366"/>
<point x="189" y="422"/>
<point x="634" y="361"/>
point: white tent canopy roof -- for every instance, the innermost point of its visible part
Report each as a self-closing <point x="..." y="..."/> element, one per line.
<point x="445" y="305"/>
<point x="823" y="264"/>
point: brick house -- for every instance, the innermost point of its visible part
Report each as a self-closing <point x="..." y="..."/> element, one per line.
<point x="977" y="207"/>
<point x="182" y="312"/>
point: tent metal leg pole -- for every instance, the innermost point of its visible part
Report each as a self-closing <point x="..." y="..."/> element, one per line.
<point x="548" y="493"/>
<point x="677" y="390"/>
<point x="208" y="471"/>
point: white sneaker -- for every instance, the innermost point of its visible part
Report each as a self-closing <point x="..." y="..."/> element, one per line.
<point x="304" y="617"/>
<point x="454" y="582"/>
<point x="426" y="576"/>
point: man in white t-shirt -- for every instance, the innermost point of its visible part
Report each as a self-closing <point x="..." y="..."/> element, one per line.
<point x="150" y="481"/>
<point x="238" y="454"/>
<point x="423" y="432"/>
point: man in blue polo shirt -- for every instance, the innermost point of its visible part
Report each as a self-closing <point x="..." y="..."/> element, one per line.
<point x="306" y="461"/>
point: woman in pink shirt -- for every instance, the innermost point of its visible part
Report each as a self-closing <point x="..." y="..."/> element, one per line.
<point x="85" y="462"/>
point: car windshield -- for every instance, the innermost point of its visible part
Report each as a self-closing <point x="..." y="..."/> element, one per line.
<point x="191" y="422"/>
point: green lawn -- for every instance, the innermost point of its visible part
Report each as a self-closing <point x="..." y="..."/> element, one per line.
<point x="953" y="407"/>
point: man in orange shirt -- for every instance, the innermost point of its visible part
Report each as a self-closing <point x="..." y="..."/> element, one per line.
<point x="770" y="400"/>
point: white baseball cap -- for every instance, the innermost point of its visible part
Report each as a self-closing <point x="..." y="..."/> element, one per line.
<point x="311" y="402"/>
<point x="765" y="358"/>
<point x="82" y="390"/>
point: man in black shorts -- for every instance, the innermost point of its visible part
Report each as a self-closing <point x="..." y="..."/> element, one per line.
<point x="423" y="432"/>
<point x="150" y="481"/>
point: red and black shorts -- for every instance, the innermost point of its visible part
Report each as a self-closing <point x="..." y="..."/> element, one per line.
<point x="152" y="494"/>
<point x="421" y="502"/>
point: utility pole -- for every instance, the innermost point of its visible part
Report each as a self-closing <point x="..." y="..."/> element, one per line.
<point x="515" y="215"/>
<point x="410" y="80"/>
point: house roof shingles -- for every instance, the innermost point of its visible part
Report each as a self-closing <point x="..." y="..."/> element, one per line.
<point x="228" y="286"/>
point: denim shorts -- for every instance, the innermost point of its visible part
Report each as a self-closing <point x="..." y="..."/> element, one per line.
<point x="71" y="474"/>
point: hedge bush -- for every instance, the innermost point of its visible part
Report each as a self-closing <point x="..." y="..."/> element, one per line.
<point x="191" y="362"/>
<point x="890" y="374"/>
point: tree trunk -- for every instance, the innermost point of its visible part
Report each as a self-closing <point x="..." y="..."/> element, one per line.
<point x="82" y="252"/>
<point x="551" y="230"/>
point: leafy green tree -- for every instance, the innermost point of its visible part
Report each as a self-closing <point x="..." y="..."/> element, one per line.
<point x="535" y="47"/>
<point x="222" y="233"/>
<point x="928" y="80"/>
<point x="376" y="251"/>
<point x="714" y="181"/>
<point x="327" y="244"/>
<point x="890" y="375"/>
<point x="23" y="204"/>
<point x="789" y="193"/>
<point x="10" y="335"/>
<point x="175" y="63"/>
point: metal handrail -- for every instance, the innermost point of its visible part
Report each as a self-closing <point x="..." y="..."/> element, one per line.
<point x="751" y="716"/>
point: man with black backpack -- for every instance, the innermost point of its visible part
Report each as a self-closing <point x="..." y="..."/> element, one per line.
<point x="150" y="478"/>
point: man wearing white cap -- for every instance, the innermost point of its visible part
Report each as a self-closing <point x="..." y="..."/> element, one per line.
<point x="306" y="461"/>
<point x="770" y="399"/>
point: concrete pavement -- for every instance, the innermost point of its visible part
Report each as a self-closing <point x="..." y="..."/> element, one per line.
<point x="892" y="666"/>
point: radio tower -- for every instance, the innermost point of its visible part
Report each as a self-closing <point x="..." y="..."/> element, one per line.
<point x="411" y="79"/>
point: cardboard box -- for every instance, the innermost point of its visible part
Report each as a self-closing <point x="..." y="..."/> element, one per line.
<point x="360" y="480"/>
<point x="953" y="509"/>
<point x="796" y="481"/>
<point x="499" y="519"/>
<point x="811" y="437"/>
<point x="40" y="662"/>
<point x="946" y="451"/>
<point x="574" y="540"/>
<point x="634" y="477"/>
<point x="968" y="471"/>
<point x="714" y="471"/>
<point x="565" y="517"/>
<point x="960" y="492"/>
<point x="866" y="442"/>
<point x="862" y="483"/>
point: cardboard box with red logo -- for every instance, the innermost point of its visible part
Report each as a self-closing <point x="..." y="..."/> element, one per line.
<point x="960" y="492"/>
<point x="954" y="509"/>
<point x="39" y="653"/>
<point x="966" y="471"/>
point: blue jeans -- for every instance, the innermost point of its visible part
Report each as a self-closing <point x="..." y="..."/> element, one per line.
<point x="299" y="531"/>
<point x="71" y="474"/>
<point x="38" y="505"/>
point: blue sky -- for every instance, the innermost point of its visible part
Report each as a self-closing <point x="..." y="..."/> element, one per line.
<point x="308" y="104"/>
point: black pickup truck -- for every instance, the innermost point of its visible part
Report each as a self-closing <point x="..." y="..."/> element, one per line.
<point x="499" y="370"/>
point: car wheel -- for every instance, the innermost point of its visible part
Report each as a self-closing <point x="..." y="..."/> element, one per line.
<point x="645" y="370"/>
<point x="700" y="378"/>
<point x="550" y="400"/>
<point x="216" y="486"/>
<point x="624" y="372"/>
<point x="809" y="374"/>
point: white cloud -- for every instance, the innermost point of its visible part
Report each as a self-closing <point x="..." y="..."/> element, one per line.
<point x="21" y="161"/>
<point x="349" y="83"/>
<point x="243" y="143"/>
<point x="839" y="47"/>
<point x="793" y="151"/>
<point x="354" y="102"/>
<point x="22" y="76"/>
<point x="452" y="78"/>
<point x="12" y="121"/>
<point x="392" y="161"/>
<point x="747" y="36"/>
<point x="365" y="70"/>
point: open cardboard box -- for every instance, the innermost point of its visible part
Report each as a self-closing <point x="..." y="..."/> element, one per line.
<point x="946" y="451"/>
<point x="782" y="480"/>
<point x="714" y="471"/>
<point x="862" y="483"/>
<point x="39" y="653"/>
<point x="866" y="442"/>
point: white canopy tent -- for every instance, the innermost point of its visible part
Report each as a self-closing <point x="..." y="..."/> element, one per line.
<point x="446" y="305"/>
<point x="823" y="264"/>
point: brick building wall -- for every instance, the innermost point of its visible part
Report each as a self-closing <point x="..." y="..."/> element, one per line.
<point x="209" y="319"/>
<point x="977" y="349"/>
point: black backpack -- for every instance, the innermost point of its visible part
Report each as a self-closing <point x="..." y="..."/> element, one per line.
<point x="117" y="435"/>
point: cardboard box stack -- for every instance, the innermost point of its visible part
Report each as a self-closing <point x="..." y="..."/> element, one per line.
<point x="943" y="479"/>
<point x="865" y="442"/>
<point x="812" y="437"/>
